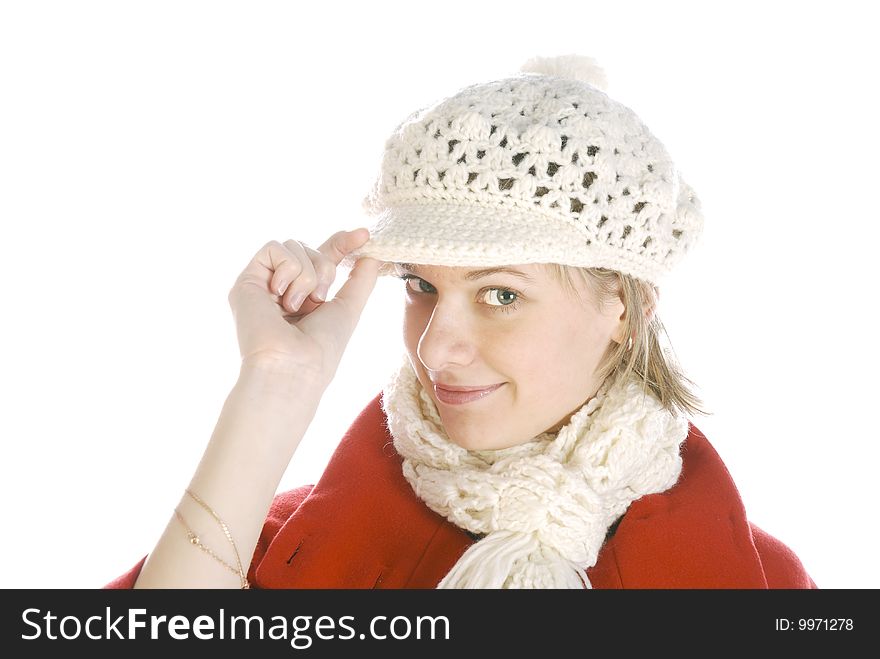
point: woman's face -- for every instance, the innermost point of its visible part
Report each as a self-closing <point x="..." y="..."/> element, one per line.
<point x="525" y="347"/>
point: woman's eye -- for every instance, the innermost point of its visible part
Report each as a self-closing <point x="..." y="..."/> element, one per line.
<point x="417" y="284"/>
<point x="500" y="297"/>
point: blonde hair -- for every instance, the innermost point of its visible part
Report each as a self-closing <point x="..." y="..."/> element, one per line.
<point x="643" y="354"/>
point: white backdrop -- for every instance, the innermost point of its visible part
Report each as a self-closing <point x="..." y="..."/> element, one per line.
<point x="149" y="149"/>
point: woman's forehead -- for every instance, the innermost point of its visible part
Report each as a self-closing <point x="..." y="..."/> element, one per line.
<point x="530" y="272"/>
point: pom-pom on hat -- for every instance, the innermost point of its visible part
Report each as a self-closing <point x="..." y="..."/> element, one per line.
<point x="541" y="167"/>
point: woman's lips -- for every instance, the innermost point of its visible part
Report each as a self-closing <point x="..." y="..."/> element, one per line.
<point x="461" y="395"/>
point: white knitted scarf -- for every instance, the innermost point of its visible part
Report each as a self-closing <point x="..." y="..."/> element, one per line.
<point x="543" y="507"/>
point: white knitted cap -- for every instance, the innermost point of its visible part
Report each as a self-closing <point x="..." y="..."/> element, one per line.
<point x="541" y="167"/>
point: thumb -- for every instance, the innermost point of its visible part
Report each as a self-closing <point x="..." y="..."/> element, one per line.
<point x="360" y="283"/>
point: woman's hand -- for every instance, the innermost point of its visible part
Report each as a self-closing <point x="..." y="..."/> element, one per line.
<point x="282" y="320"/>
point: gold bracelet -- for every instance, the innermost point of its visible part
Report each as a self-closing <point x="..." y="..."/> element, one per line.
<point x="194" y="539"/>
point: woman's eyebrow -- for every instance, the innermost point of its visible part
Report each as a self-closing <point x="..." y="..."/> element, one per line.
<point x="477" y="274"/>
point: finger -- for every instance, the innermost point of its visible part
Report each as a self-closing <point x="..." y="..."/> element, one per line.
<point x="280" y="264"/>
<point x="341" y="243"/>
<point x="299" y="272"/>
<point x="271" y="270"/>
<point x="327" y="258"/>
<point x="325" y="271"/>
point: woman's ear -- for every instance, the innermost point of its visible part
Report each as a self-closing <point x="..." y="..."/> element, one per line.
<point x="652" y="308"/>
<point x="617" y="308"/>
<point x="618" y="334"/>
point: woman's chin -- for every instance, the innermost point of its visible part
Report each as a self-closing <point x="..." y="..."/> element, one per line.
<point x="472" y="440"/>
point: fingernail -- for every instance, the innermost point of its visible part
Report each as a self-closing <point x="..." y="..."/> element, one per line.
<point x="321" y="291"/>
<point x="297" y="300"/>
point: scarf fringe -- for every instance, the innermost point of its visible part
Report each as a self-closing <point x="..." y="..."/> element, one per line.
<point x="504" y="559"/>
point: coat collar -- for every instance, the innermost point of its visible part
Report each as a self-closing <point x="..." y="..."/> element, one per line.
<point x="362" y="526"/>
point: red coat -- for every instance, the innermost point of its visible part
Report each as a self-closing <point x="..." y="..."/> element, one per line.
<point x="362" y="526"/>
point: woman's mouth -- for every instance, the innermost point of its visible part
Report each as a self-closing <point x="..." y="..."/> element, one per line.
<point x="461" y="395"/>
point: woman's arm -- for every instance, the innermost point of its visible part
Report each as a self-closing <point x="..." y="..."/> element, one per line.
<point x="290" y="353"/>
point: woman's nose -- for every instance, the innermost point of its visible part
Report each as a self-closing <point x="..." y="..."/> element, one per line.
<point x="447" y="340"/>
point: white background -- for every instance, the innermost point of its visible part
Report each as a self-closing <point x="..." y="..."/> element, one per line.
<point x="149" y="149"/>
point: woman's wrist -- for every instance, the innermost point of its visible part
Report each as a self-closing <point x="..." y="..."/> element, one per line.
<point x="277" y="375"/>
<point x="263" y="419"/>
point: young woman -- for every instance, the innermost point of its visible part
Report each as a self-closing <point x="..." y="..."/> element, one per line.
<point x="535" y="434"/>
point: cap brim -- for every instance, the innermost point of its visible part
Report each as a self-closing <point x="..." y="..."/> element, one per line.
<point x="450" y="234"/>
